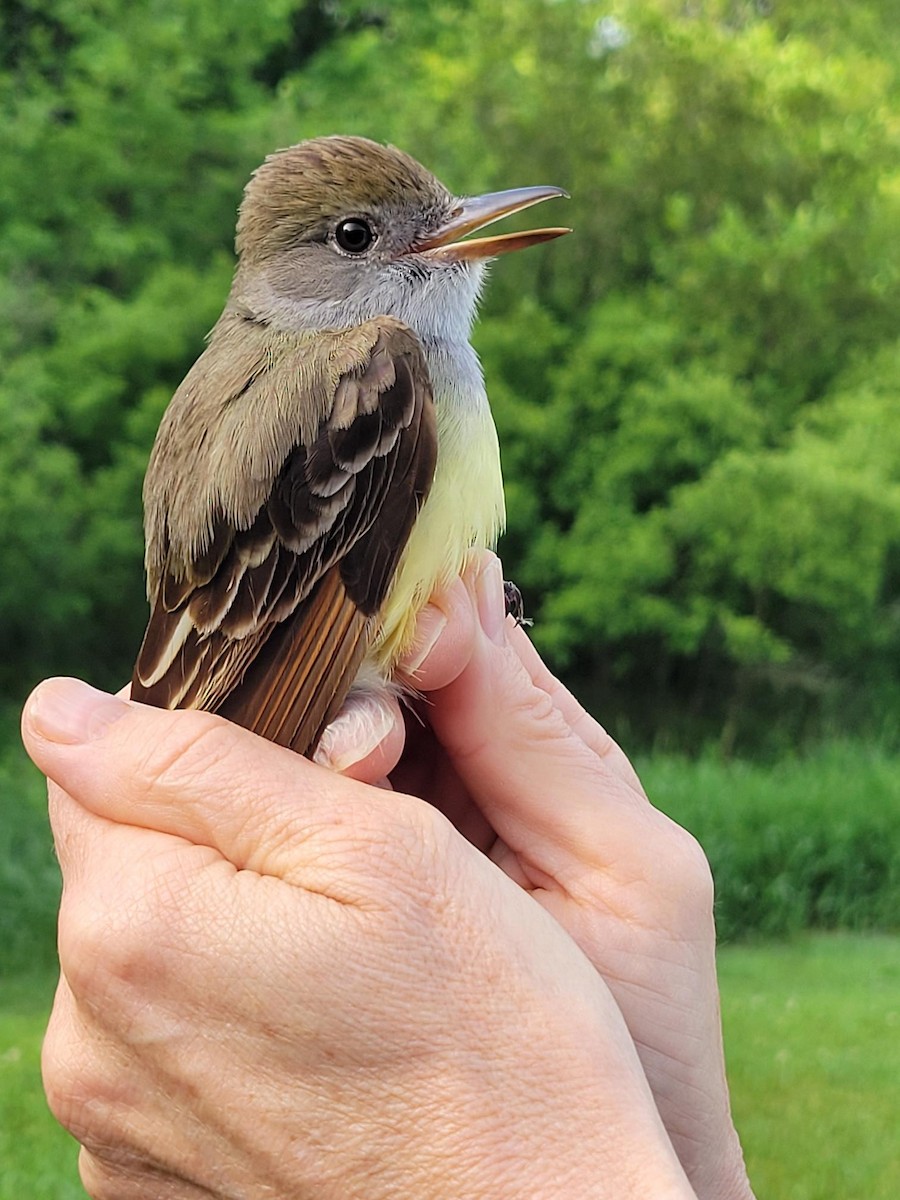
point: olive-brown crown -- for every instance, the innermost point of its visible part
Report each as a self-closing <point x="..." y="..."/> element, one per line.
<point x="298" y="193"/>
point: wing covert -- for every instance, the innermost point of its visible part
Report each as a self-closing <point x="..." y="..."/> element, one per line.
<point x="266" y="620"/>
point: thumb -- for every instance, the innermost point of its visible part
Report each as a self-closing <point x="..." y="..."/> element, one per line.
<point x="198" y="777"/>
<point x="539" y="768"/>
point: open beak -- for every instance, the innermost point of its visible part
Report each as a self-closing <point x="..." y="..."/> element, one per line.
<point x="476" y="212"/>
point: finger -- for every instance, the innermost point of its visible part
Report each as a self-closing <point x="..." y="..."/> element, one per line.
<point x="365" y="740"/>
<point x="425" y="771"/>
<point x="445" y="632"/>
<point x="64" y="1038"/>
<point x="546" y="792"/>
<point x="72" y="827"/>
<point x="117" y="1103"/>
<point x="578" y="718"/>
<point x="445" y="642"/>
<point x="196" y="776"/>
<point x="133" y="902"/>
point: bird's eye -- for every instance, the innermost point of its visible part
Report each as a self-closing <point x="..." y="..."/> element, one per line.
<point x="354" y="235"/>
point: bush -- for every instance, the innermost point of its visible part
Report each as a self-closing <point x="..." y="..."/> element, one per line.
<point x="29" y="877"/>
<point x="695" y="393"/>
<point x="811" y="843"/>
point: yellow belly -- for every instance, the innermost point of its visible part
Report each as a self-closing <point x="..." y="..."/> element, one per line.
<point x="464" y="509"/>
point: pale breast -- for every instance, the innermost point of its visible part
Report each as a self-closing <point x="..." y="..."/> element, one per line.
<point x="464" y="510"/>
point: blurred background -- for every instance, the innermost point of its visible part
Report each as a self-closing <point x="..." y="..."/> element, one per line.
<point x="697" y="398"/>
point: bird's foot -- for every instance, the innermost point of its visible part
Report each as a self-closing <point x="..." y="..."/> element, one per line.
<point x="515" y="605"/>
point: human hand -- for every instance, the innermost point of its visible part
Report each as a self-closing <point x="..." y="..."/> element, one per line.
<point x="508" y="754"/>
<point x="280" y="981"/>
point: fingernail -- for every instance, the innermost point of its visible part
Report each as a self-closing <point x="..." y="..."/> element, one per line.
<point x="490" y="600"/>
<point x="69" y="711"/>
<point x="431" y="624"/>
<point x="354" y="733"/>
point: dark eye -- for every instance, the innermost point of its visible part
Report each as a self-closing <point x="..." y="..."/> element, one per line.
<point x="354" y="235"/>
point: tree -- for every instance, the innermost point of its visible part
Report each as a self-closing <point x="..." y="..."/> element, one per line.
<point x="694" y="392"/>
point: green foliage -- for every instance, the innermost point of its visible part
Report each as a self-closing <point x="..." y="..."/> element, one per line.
<point x="806" y="844"/>
<point x="29" y="877"/>
<point x="695" y="392"/>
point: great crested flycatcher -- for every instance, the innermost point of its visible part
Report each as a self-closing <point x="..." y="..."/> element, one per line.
<point x="331" y="456"/>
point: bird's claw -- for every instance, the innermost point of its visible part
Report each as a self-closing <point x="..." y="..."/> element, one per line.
<point x="515" y="605"/>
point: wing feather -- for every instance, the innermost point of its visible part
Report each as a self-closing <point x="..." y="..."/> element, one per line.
<point x="263" y="612"/>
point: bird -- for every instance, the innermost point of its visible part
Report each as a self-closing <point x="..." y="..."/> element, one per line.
<point x="331" y="458"/>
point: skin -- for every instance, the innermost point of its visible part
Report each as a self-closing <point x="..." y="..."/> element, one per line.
<point x="507" y="991"/>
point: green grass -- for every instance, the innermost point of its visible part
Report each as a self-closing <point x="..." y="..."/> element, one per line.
<point x="37" y="1158"/>
<point x="811" y="1030"/>
<point x="805" y="843"/>
<point x="812" y="1033"/>
<point x="29" y="879"/>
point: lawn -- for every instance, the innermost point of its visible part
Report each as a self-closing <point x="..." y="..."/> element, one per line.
<point x="37" y="1159"/>
<point x="811" y="1030"/>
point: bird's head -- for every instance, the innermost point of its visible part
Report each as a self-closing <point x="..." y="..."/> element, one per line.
<point x="338" y="230"/>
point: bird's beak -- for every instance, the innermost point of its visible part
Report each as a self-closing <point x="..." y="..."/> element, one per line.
<point x="476" y="212"/>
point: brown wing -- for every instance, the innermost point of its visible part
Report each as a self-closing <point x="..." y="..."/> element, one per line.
<point x="267" y="616"/>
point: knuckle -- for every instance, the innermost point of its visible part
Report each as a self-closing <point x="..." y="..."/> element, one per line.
<point x="57" y="1078"/>
<point x="420" y="835"/>
<point x="89" y="1095"/>
<point x="68" y="1100"/>
<point x="109" y="953"/>
<point x="688" y="866"/>
<point x="408" y="849"/>
<point x="108" y="1174"/>
<point x="71" y="1080"/>
<point x="84" y="939"/>
<point x="421" y="841"/>
<point x="535" y="707"/>
<point x="197" y="743"/>
<point x="426" y="850"/>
